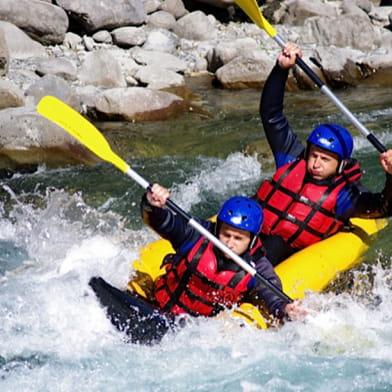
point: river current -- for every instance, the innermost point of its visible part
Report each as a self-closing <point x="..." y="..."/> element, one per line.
<point x="59" y="227"/>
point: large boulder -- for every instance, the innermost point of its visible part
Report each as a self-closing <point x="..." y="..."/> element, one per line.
<point x="19" y="44"/>
<point x="300" y="10"/>
<point x="195" y="26"/>
<point x="104" y="14"/>
<point x="139" y="104"/>
<point x="246" y="72"/>
<point x="44" y="22"/>
<point x="100" y="68"/>
<point x="53" y="85"/>
<point x="27" y="138"/>
<point x="341" y="31"/>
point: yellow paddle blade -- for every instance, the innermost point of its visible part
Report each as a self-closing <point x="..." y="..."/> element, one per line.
<point x="80" y="128"/>
<point x="251" y="9"/>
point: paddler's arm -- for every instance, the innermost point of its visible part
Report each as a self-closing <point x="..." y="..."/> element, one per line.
<point x="276" y="306"/>
<point x="284" y="143"/>
<point x="163" y="221"/>
<point x="359" y="202"/>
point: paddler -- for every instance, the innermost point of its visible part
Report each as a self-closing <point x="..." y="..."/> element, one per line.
<point x="316" y="188"/>
<point x="199" y="278"/>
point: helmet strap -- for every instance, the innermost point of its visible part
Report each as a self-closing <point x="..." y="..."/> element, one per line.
<point x="253" y="241"/>
<point x="341" y="165"/>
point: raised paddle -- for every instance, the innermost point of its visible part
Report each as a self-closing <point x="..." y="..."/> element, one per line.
<point x="87" y="134"/>
<point x="251" y="8"/>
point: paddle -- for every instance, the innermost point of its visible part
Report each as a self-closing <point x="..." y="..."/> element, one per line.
<point x="87" y="134"/>
<point x="251" y="8"/>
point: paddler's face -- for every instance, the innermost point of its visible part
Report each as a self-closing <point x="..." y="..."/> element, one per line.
<point x="235" y="239"/>
<point x="321" y="163"/>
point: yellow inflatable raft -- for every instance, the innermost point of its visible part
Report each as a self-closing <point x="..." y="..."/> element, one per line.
<point x="312" y="268"/>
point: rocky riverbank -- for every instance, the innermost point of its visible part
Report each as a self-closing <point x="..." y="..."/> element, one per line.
<point x="129" y="60"/>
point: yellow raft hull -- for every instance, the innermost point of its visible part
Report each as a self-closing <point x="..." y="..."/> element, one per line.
<point x="312" y="268"/>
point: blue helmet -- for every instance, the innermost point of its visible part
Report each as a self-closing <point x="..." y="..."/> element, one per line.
<point x="242" y="213"/>
<point x="333" y="138"/>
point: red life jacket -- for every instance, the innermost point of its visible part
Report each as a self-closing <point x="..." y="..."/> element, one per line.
<point x="302" y="212"/>
<point x="195" y="286"/>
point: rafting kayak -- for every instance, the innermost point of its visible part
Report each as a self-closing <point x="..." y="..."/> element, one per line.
<point x="311" y="269"/>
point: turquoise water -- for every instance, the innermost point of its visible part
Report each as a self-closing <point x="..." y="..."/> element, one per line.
<point x="61" y="226"/>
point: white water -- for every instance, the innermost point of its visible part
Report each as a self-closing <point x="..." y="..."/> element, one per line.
<point x="55" y="337"/>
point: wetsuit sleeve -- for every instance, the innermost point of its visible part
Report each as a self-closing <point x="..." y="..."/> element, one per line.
<point x="170" y="226"/>
<point x="284" y="143"/>
<point x="357" y="201"/>
<point x="274" y="303"/>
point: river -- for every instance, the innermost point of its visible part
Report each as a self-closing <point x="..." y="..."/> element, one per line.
<point x="59" y="227"/>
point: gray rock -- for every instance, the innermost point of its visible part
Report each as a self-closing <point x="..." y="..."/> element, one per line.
<point x="139" y="104"/>
<point x="19" y="44"/>
<point x="57" y="66"/>
<point x="103" y="36"/>
<point x="56" y="86"/>
<point x="72" y="40"/>
<point x="341" y="31"/>
<point x="161" y="20"/>
<point x="105" y="14"/>
<point x="4" y="54"/>
<point x="10" y="95"/>
<point x="339" y="66"/>
<point x="100" y="68"/>
<point x="196" y="26"/>
<point x="44" y="22"/>
<point x="300" y="10"/>
<point x="174" y="7"/>
<point x="161" y="40"/>
<point x="246" y="72"/>
<point x="165" y="60"/>
<point x="129" y="36"/>
<point x="28" y="137"/>
<point x="155" y="78"/>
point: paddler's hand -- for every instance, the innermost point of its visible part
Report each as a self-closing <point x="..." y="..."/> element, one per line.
<point x="158" y="195"/>
<point x="295" y="311"/>
<point x="288" y="55"/>
<point x="386" y="161"/>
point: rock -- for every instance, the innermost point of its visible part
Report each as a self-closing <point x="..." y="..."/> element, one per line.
<point x="139" y="104"/>
<point x="339" y="66"/>
<point x="27" y="137"/>
<point x="72" y="40"/>
<point x="127" y="37"/>
<point x="4" y="54"/>
<point x="19" y="44"/>
<point x="56" y="86"/>
<point x="104" y="14"/>
<point x="100" y="68"/>
<point x="103" y="36"/>
<point x="151" y="5"/>
<point x="300" y="10"/>
<point x="228" y="50"/>
<point x="56" y="66"/>
<point x="10" y="95"/>
<point x="246" y="72"/>
<point x="174" y="7"/>
<point x="153" y="77"/>
<point x="161" y="20"/>
<point x="195" y="26"/>
<point x="379" y="66"/>
<point x="44" y="22"/>
<point x="161" y="40"/>
<point x="341" y="31"/>
<point x="164" y="60"/>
